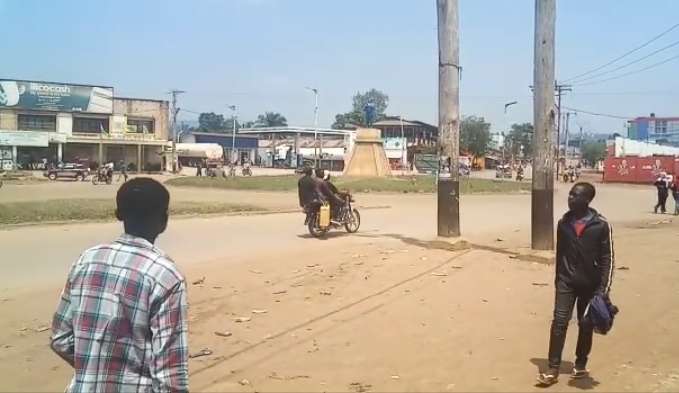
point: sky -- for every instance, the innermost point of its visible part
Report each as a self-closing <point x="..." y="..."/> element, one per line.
<point x="259" y="55"/>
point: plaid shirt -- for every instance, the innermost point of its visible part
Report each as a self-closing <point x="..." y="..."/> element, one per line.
<point x="122" y="320"/>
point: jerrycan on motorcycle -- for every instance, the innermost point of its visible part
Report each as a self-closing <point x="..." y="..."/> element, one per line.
<point x="324" y="216"/>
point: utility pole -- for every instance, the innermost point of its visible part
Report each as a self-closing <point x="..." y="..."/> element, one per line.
<point x="542" y="195"/>
<point x="233" y="135"/>
<point x="448" y="184"/>
<point x="560" y="92"/>
<point x="175" y="136"/>
<point x="566" y="131"/>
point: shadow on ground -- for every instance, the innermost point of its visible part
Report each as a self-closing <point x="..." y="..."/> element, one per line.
<point x="588" y="383"/>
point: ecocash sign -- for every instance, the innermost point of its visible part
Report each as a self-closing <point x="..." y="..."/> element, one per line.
<point x="59" y="89"/>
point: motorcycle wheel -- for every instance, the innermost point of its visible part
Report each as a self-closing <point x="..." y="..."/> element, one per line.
<point x="314" y="230"/>
<point x="354" y="221"/>
<point x="0" y="183"/>
<point x="109" y="180"/>
<point x="95" y="180"/>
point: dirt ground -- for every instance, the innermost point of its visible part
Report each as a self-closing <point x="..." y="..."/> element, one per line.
<point x="379" y="312"/>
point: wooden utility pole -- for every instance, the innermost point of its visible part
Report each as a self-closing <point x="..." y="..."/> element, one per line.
<point x="448" y="185"/>
<point x="544" y="115"/>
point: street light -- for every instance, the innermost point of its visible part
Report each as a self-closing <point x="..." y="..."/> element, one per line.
<point x="315" y="123"/>
<point x="233" y="135"/>
<point x="507" y="105"/>
<point x="404" y="161"/>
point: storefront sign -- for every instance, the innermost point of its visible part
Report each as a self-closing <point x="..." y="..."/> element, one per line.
<point x="24" y="138"/>
<point x="55" y="97"/>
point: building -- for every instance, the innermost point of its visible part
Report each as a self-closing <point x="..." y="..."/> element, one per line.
<point x="417" y="133"/>
<point x="660" y="130"/>
<point x="57" y="122"/>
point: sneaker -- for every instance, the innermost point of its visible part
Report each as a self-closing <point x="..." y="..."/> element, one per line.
<point x="579" y="372"/>
<point x="548" y="378"/>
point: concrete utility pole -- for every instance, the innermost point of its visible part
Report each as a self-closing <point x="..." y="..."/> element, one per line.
<point x="560" y="92"/>
<point x="566" y="131"/>
<point x="316" y="162"/>
<point x="233" y="134"/>
<point x="542" y="196"/>
<point x="175" y="136"/>
<point x="448" y="185"/>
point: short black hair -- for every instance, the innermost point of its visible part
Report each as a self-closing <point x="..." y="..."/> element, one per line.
<point x="588" y="188"/>
<point x="142" y="199"/>
<point x="307" y="170"/>
<point x="319" y="172"/>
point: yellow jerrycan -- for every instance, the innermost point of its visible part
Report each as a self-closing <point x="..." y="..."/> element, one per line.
<point x="324" y="216"/>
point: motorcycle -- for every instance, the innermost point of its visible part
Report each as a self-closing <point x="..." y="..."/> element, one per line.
<point x="569" y="177"/>
<point x="102" y="176"/>
<point x="519" y="177"/>
<point x="319" y="220"/>
<point x="246" y="171"/>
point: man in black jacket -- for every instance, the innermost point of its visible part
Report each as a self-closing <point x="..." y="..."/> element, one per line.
<point x="584" y="267"/>
<point x="307" y="190"/>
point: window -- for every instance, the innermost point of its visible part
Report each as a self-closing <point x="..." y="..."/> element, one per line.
<point x="140" y="126"/>
<point x="90" y="125"/>
<point x="43" y="123"/>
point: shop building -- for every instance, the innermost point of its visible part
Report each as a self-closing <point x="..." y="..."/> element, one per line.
<point x="55" y="122"/>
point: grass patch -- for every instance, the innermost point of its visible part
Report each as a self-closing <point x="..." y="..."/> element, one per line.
<point x="20" y="178"/>
<point x="63" y="210"/>
<point x="392" y="185"/>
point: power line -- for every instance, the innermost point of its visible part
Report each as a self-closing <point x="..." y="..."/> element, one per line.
<point x="599" y="114"/>
<point x="630" y="73"/>
<point x="630" y="63"/>
<point x="626" y="54"/>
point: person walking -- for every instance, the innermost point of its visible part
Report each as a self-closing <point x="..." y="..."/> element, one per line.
<point x="662" y="188"/>
<point x="584" y="269"/>
<point x="122" y="322"/>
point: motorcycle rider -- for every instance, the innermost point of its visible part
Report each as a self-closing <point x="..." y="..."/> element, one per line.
<point x="307" y="191"/>
<point x="326" y="192"/>
<point x="335" y="192"/>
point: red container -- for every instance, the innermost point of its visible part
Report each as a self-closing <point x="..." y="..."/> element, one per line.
<point x="648" y="168"/>
<point x="620" y="170"/>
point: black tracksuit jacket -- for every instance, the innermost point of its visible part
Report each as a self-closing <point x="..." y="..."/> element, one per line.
<point x="585" y="263"/>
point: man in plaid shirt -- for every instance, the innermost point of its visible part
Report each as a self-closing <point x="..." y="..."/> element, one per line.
<point x="122" y="319"/>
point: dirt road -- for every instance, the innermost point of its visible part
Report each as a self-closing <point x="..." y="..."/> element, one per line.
<point x="369" y="312"/>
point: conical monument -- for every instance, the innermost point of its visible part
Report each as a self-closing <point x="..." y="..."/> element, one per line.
<point x="368" y="158"/>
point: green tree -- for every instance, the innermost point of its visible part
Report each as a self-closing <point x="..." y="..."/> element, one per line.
<point x="356" y="116"/>
<point x="271" y="119"/>
<point x="593" y="152"/>
<point x="210" y="122"/>
<point x="520" y="135"/>
<point x="228" y="125"/>
<point x="474" y="135"/>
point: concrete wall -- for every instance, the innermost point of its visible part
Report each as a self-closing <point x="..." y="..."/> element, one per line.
<point x="157" y="110"/>
<point x="8" y="120"/>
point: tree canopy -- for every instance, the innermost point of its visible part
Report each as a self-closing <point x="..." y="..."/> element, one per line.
<point x="593" y="152"/>
<point x="475" y="135"/>
<point x="520" y="135"/>
<point x="211" y="122"/>
<point x="356" y="116"/>
<point x="271" y="119"/>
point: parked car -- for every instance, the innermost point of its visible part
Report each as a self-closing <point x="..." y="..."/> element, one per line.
<point x="77" y="172"/>
<point x="503" y="171"/>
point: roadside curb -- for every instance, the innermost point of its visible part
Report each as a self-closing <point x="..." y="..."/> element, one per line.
<point x="9" y="227"/>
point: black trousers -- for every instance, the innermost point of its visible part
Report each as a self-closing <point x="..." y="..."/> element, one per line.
<point x="662" y="201"/>
<point x="567" y="298"/>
